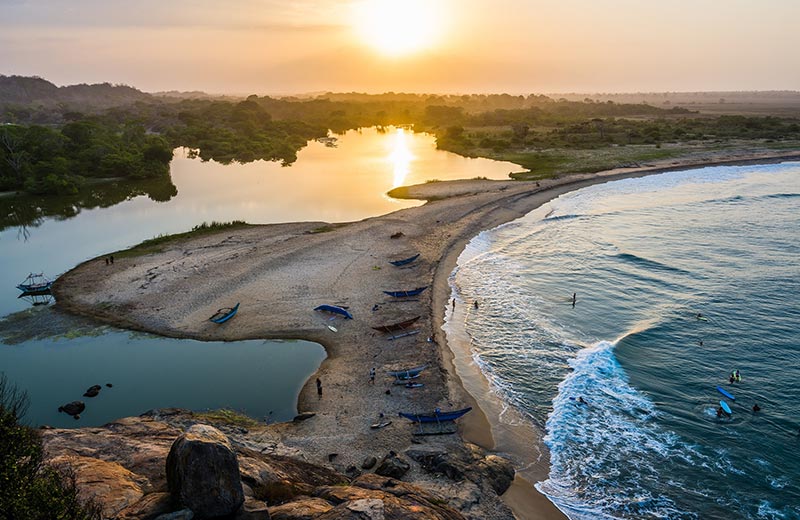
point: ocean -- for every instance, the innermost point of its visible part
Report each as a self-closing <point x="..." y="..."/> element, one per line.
<point x="644" y="258"/>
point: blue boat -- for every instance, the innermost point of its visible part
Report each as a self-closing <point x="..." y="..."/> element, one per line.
<point x="405" y="294"/>
<point x="335" y="310"/>
<point x="405" y="261"/>
<point x="409" y="373"/>
<point x="436" y="417"/>
<point x="35" y="283"/>
<point x="224" y="314"/>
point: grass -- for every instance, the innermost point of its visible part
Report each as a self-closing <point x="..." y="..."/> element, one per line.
<point x="157" y="243"/>
<point x="228" y="417"/>
<point x="327" y="228"/>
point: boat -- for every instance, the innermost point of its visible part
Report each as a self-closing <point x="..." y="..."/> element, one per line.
<point x="405" y="294"/>
<point x="224" y="314"/>
<point x="405" y="261"/>
<point x="436" y="417"/>
<point x="335" y="310"/>
<point x="410" y="373"/>
<point x="397" y="326"/>
<point x="35" y="283"/>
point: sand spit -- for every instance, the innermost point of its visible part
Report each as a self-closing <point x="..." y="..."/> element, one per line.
<point x="279" y="273"/>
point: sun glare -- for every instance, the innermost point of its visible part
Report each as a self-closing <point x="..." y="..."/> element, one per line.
<point x="400" y="158"/>
<point x="398" y="27"/>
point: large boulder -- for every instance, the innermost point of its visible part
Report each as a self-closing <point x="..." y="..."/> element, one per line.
<point x="498" y="472"/>
<point x="442" y="462"/>
<point x="203" y="473"/>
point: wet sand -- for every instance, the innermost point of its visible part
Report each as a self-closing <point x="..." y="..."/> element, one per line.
<point x="279" y="273"/>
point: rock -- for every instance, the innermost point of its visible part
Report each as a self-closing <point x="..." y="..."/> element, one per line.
<point x="393" y="466"/>
<point x="303" y="416"/>
<point x="74" y="408"/>
<point x="498" y="472"/>
<point x="117" y="487"/>
<point x="109" y="385"/>
<point x="253" y="509"/>
<point x="183" y="514"/>
<point x="92" y="391"/>
<point x="441" y="462"/>
<point x="149" y="507"/>
<point x="306" y="508"/>
<point x="352" y="472"/>
<point x="369" y="462"/>
<point x="203" y="472"/>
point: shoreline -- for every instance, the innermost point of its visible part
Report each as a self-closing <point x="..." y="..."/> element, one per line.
<point x="465" y="209"/>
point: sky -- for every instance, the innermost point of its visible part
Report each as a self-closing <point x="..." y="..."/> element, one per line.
<point x="444" y="46"/>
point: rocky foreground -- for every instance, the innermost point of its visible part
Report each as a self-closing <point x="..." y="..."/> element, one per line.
<point x="165" y="465"/>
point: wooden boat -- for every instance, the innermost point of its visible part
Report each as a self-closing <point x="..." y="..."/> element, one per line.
<point x="35" y="283"/>
<point x="335" y="310"/>
<point x="397" y="326"/>
<point x="410" y="373"/>
<point x="405" y="294"/>
<point x="436" y="417"/>
<point x="405" y="261"/>
<point x="224" y="314"/>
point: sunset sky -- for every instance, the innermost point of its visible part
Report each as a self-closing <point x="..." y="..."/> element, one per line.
<point x="460" y="46"/>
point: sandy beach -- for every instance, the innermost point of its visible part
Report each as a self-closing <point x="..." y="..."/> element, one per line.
<point x="280" y="273"/>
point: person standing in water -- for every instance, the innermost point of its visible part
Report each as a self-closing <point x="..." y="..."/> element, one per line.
<point x="574" y="299"/>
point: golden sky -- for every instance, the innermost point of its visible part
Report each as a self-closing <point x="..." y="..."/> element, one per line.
<point x="460" y="46"/>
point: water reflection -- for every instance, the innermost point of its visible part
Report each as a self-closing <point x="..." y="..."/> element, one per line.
<point x="400" y="158"/>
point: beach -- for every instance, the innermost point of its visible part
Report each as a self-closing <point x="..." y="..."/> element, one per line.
<point x="280" y="273"/>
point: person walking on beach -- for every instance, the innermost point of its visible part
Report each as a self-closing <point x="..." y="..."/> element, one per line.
<point x="372" y="376"/>
<point x="475" y="304"/>
<point x="319" y="388"/>
<point x="574" y="299"/>
<point x="454" y="304"/>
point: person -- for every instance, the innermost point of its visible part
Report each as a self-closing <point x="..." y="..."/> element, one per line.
<point x="756" y="408"/>
<point x="699" y="316"/>
<point x="731" y="379"/>
<point x="319" y="387"/>
<point x="737" y="376"/>
<point x="700" y="342"/>
<point x="720" y="411"/>
<point x="106" y="260"/>
<point x="454" y="304"/>
<point x="574" y="298"/>
<point x="581" y="400"/>
<point x="372" y="375"/>
<point x="111" y="258"/>
<point x="475" y="304"/>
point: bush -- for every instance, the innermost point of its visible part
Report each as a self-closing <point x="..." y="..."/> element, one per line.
<point x="29" y="488"/>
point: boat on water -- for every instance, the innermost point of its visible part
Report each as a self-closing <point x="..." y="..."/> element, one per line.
<point x="335" y="310"/>
<point x="224" y="314"/>
<point x="405" y="294"/>
<point x="405" y="261"/>
<point x="437" y="416"/>
<point x="393" y="327"/>
<point x="409" y="373"/>
<point x="35" y="283"/>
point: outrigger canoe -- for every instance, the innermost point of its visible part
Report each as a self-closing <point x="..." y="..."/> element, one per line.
<point x="224" y="314"/>
<point x="410" y="373"/>
<point x="436" y="417"/>
<point x="335" y="310"/>
<point x="405" y="261"/>
<point x="35" y="283"/>
<point x="405" y="294"/>
<point x="397" y="326"/>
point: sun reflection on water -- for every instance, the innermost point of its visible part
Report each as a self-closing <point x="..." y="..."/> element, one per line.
<point x="400" y="157"/>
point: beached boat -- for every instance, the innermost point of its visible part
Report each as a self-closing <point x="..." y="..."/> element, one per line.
<point x="224" y="314"/>
<point x="335" y="310"/>
<point x="405" y="261"/>
<point x="409" y="373"/>
<point x="405" y="294"/>
<point x="35" y="283"/>
<point x="437" y="416"/>
<point x="397" y="326"/>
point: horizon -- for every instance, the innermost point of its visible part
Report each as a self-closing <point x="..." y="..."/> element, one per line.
<point x="478" y="47"/>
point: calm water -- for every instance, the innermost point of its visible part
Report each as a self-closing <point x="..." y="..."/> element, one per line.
<point x="343" y="183"/>
<point x="644" y="257"/>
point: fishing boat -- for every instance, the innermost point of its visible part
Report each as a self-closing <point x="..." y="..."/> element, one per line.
<point x="335" y="310"/>
<point x="35" y="283"/>
<point x="405" y="261"/>
<point x="397" y="326"/>
<point x="409" y="373"/>
<point x="437" y="416"/>
<point x="405" y="294"/>
<point x="224" y="314"/>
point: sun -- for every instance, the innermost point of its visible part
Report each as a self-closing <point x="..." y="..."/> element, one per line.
<point x="398" y="27"/>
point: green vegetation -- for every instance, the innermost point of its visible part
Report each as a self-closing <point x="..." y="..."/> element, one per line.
<point x="29" y="488"/>
<point x="157" y="244"/>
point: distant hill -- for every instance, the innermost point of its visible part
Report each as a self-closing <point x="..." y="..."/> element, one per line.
<point x="22" y="90"/>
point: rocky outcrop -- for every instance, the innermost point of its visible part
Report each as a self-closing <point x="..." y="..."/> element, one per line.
<point x="392" y="466"/>
<point x="74" y="408"/>
<point x="497" y="471"/>
<point x="203" y="473"/>
<point x="302" y="508"/>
